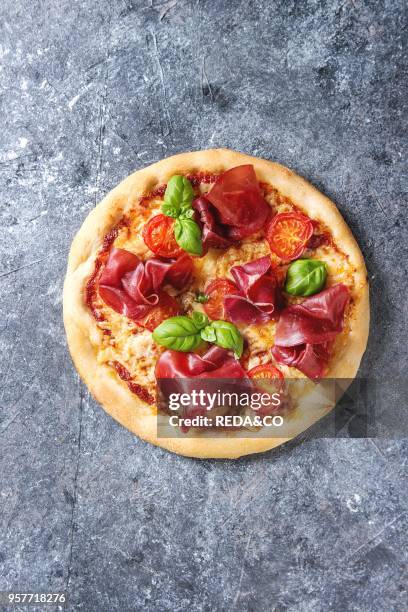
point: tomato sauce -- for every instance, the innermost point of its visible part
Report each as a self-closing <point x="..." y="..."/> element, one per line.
<point x="320" y="239"/>
<point x="202" y="177"/>
<point x="91" y="288"/>
<point x="156" y="193"/>
<point x="135" y="388"/>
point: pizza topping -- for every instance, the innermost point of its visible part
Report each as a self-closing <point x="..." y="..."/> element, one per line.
<point x="288" y="235"/>
<point x="258" y="298"/>
<point x="311" y="359"/>
<point x="119" y="263"/>
<point x="268" y="372"/>
<point x="201" y="298"/>
<point x="225" y="335"/>
<point x="140" y="278"/>
<point x="305" y="277"/>
<point x="303" y="330"/>
<point x="189" y="373"/>
<point x="176" y="273"/>
<point x="134" y="387"/>
<point x="178" y="196"/>
<point x="121" y="302"/>
<point x="316" y="320"/>
<point x="216" y="362"/>
<point x="268" y="379"/>
<point x="213" y="233"/>
<point x="188" y="235"/>
<point x="166" y="307"/>
<point x="318" y="240"/>
<point x="177" y="205"/>
<point x="133" y="288"/>
<point x="181" y="333"/>
<point x="187" y="333"/>
<point x="240" y="204"/>
<point x="147" y="315"/>
<point x="216" y="292"/>
<point x="158" y="234"/>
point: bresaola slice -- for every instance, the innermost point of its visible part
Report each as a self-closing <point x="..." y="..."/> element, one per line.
<point x="258" y="297"/>
<point x="311" y="359"/>
<point x="119" y="263"/>
<point x="316" y="320"/>
<point x="147" y="278"/>
<point x="213" y="234"/>
<point x="237" y="197"/>
<point x="152" y="274"/>
<point x="232" y="209"/>
<point x="304" y="330"/>
<point x="133" y="288"/>
<point x="178" y="373"/>
<point x="121" y="302"/>
<point x="216" y="362"/>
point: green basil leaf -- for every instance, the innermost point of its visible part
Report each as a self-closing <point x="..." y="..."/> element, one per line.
<point x="227" y="336"/>
<point x="201" y="298"/>
<point x="187" y="214"/>
<point x="208" y="334"/>
<point x="188" y="236"/>
<point x="178" y="195"/>
<point x="199" y="319"/>
<point x="305" y="277"/>
<point x="178" y="333"/>
<point x="169" y="210"/>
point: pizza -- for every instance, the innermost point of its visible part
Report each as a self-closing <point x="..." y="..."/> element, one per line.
<point x="213" y="265"/>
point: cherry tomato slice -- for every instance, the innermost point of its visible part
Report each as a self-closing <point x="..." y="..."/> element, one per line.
<point x="266" y="373"/>
<point x="288" y="234"/>
<point x="166" y="307"/>
<point x="158" y="234"/>
<point x="216" y="292"/>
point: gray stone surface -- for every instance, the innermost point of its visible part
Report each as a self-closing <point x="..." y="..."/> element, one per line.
<point x="90" y="91"/>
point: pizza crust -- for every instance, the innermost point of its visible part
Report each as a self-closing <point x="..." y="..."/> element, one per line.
<point x="84" y="336"/>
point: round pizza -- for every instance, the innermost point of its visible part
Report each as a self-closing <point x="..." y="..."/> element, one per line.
<point x="215" y="268"/>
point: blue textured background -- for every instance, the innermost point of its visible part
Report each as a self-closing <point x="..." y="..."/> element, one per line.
<point x="89" y="92"/>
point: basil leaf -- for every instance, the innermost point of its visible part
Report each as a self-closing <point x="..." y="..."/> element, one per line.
<point x="186" y="333"/>
<point x="178" y="195"/>
<point x="227" y="336"/>
<point x="188" y="236"/>
<point x="201" y="298"/>
<point x="200" y="320"/>
<point x="305" y="277"/>
<point x="169" y="210"/>
<point x="178" y="333"/>
<point x="208" y="334"/>
<point x="187" y="214"/>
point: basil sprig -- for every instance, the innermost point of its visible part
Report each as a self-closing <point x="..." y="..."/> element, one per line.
<point x="224" y="334"/>
<point x="188" y="236"/>
<point x="178" y="199"/>
<point x="186" y="333"/>
<point x="178" y="333"/>
<point x="305" y="277"/>
<point x="178" y="196"/>
<point x="201" y="298"/>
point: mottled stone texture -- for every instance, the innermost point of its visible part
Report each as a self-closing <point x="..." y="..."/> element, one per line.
<point x="90" y="91"/>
